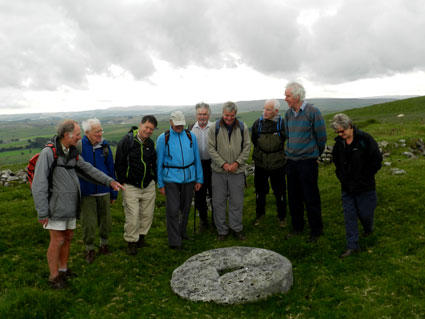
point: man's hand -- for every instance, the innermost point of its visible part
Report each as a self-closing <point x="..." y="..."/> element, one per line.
<point x="162" y="190"/>
<point x="116" y="186"/>
<point x="113" y="201"/>
<point x="43" y="221"/>
<point x="198" y="186"/>
<point x="233" y="167"/>
<point x="226" y="167"/>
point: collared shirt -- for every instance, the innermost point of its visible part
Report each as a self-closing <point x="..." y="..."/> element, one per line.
<point x="65" y="149"/>
<point x="202" y="138"/>
<point x="301" y="108"/>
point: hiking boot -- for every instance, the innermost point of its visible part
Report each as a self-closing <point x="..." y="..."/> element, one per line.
<point x="203" y="227"/>
<point x="293" y="233"/>
<point x="313" y="238"/>
<point x="68" y="274"/>
<point x="240" y="235"/>
<point x="258" y="220"/>
<point x="104" y="250"/>
<point x="90" y="256"/>
<point x="141" y="242"/>
<point x="349" y="252"/>
<point x="132" y="249"/>
<point x="221" y="237"/>
<point x="57" y="283"/>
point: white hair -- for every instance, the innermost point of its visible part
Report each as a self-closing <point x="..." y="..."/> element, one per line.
<point x="275" y="102"/>
<point x="88" y="124"/>
<point x="297" y="90"/>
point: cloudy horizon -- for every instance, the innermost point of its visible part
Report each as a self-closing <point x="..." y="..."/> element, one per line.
<point x="80" y="55"/>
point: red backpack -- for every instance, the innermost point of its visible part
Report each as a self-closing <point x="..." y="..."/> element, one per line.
<point x="30" y="169"/>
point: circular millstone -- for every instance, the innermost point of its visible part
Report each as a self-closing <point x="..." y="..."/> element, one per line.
<point x="232" y="275"/>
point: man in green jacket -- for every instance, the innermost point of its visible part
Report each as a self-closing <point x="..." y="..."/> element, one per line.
<point x="268" y="137"/>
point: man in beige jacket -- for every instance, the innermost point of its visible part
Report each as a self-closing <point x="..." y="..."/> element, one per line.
<point x="229" y="148"/>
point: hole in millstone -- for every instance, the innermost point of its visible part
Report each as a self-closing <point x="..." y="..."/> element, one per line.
<point x="222" y="272"/>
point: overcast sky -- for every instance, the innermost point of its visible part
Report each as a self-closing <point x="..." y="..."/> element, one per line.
<point x="71" y="55"/>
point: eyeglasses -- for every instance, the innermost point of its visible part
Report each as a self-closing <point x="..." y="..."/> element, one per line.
<point x="340" y="131"/>
<point x="99" y="132"/>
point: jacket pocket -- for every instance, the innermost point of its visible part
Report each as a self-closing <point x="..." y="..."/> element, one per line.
<point x="63" y="205"/>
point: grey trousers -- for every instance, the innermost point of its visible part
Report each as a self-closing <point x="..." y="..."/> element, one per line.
<point x="179" y="200"/>
<point x="225" y="185"/>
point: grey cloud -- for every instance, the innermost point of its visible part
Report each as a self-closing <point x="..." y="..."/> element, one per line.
<point x="367" y="39"/>
<point x="46" y="44"/>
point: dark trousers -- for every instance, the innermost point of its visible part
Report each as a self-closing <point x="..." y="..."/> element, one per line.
<point x="178" y="202"/>
<point x="361" y="206"/>
<point x="278" y="183"/>
<point x="201" y="195"/>
<point x="302" y="177"/>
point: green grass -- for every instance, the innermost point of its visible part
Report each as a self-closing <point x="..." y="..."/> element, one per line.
<point x="386" y="280"/>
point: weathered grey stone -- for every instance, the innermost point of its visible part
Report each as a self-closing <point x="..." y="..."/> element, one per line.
<point x="409" y="154"/>
<point x="232" y="275"/>
<point x="397" y="171"/>
<point x="387" y="163"/>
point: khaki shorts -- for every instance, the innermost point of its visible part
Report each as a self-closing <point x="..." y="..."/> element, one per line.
<point x="61" y="224"/>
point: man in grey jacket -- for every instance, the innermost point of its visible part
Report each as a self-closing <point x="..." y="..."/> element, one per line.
<point x="56" y="193"/>
<point x="229" y="147"/>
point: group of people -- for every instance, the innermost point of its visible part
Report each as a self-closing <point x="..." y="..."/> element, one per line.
<point x="79" y="178"/>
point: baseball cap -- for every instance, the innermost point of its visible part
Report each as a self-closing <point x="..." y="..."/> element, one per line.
<point x="178" y="118"/>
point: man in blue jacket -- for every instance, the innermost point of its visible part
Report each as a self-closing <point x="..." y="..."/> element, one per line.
<point x="95" y="208"/>
<point x="179" y="172"/>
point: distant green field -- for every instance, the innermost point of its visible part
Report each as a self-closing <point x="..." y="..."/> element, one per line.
<point x="380" y="119"/>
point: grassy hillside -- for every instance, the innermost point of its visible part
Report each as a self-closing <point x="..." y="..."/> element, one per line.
<point x="386" y="280"/>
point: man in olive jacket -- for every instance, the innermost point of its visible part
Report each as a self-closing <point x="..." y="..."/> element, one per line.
<point x="229" y="147"/>
<point x="268" y="137"/>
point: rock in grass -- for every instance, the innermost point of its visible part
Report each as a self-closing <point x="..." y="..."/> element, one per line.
<point x="232" y="275"/>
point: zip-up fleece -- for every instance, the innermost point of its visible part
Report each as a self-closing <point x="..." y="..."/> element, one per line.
<point x="95" y="156"/>
<point x="136" y="165"/>
<point x="356" y="164"/>
<point x="224" y="150"/>
<point x="65" y="192"/>
<point x="179" y="160"/>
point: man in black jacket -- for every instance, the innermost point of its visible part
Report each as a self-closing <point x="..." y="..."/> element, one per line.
<point x="268" y="137"/>
<point x="357" y="159"/>
<point x="135" y="165"/>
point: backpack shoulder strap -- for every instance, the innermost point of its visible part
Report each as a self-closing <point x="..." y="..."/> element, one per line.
<point x="189" y="136"/>
<point x="241" y="127"/>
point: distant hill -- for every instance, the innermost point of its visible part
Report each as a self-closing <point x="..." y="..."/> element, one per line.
<point x="326" y="105"/>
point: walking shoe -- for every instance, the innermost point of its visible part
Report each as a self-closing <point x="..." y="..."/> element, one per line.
<point x="104" y="250"/>
<point x="293" y="233"/>
<point x="65" y="275"/>
<point x="132" y="249"/>
<point x="240" y="235"/>
<point x="90" y="256"/>
<point x="258" y="220"/>
<point x="282" y="223"/>
<point x="57" y="283"/>
<point x="176" y="247"/>
<point x="313" y="238"/>
<point x="221" y="237"/>
<point x="349" y="252"/>
<point x="367" y="233"/>
<point x="141" y="242"/>
<point x="203" y="227"/>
